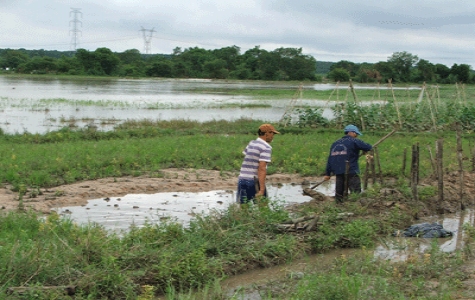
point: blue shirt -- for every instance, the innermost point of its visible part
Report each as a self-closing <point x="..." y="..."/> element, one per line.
<point x="345" y="149"/>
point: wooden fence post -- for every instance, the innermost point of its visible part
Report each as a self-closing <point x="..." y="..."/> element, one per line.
<point x="404" y="158"/>
<point x="415" y="171"/>
<point x="378" y="163"/>
<point x="432" y="162"/>
<point x="460" y="161"/>
<point x="439" y="149"/>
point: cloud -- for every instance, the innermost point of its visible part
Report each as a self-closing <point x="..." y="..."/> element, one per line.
<point x="439" y="31"/>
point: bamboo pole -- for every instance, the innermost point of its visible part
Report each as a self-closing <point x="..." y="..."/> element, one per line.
<point x="432" y="162"/>
<point x="439" y="149"/>
<point x="395" y="103"/>
<point x="373" y="167"/>
<point x="357" y="103"/>
<point x="366" y="173"/>
<point x="404" y="159"/>
<point x="460" y="161"/>
<point x="414" y="172"/>
<point x="431" y="110"/>
<point x="378" y="163"/>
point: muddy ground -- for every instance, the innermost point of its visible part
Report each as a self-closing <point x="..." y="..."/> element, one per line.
<point x="171" y="180"/>
<point x="197" y="180"/>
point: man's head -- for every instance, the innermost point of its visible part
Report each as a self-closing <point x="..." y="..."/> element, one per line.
<point x="266" y="132"/>
<point x="352" y="130"/>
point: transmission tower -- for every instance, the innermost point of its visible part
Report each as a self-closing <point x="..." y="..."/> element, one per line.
<point x="74" y="32"/>
<point x="147" y="38"/>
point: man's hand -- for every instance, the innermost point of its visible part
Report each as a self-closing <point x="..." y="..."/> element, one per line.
<point x="326" y="178"/>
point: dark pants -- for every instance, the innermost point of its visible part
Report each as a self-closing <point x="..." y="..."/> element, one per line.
<point x="246" y="191"/>
<point x="354" y="185"/>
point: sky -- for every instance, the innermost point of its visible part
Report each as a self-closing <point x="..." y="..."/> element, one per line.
<point x="357" y="31"/>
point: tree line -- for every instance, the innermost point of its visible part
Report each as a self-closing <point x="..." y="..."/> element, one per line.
<point x="229" y="63"/>
<point x="401" y="67"/>
<point x="224" y="63"/>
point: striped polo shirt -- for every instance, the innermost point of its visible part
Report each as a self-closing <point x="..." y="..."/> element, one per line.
<point x="256" y="151"/>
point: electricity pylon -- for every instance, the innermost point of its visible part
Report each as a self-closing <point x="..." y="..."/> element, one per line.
<point x="75" y="31"/>
<point x="147" y="38"/>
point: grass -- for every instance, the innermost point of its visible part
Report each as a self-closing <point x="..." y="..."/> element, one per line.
<point x="67" y="156"/>
<point x="167" y="258"/>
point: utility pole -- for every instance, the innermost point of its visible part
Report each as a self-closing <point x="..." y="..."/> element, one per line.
<point x="76" y="12"/>
<point x="147" y="38"/>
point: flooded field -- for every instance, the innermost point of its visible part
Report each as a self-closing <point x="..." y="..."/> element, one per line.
<point x="42" y="105"/>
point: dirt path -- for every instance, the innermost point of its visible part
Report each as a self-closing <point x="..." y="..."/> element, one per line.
<point x="172" y="180"/>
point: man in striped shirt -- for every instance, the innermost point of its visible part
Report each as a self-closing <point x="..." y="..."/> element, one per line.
<point x="252" y="177"/>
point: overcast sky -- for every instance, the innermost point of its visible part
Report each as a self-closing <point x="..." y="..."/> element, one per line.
<point x="358" y="31"/>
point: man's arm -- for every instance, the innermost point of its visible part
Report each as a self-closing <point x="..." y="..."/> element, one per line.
<point x="261" y="176"/>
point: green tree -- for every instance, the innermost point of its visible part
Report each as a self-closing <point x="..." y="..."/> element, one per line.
<point x="351" y="67"/>
<point x="193" y="60"/>
<point x="425" y="71"/>
<point x="107" y="60"/>
<point x="13" y="58"/>
<point x="461" y="72"/>
<point x="160" y="68"/>
<point x="402" y="62"/>
<point x="368" y="73"/>
<point x="130" y="57"/>
<point x="294" y="64"/>
<point x="230" y="55"/>
<point x="251" y="60"/>
<point x="39" y="65"/>
<point x="339" y="74"/>
<point x="386" y="70"/>
<point x="442" y="72"/>
<point x="215" y="69"/>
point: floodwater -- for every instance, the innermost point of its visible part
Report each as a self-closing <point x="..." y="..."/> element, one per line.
<point x="119" y="213"/>
<point x="39" y="105"/>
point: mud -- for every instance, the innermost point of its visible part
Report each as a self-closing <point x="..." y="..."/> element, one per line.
<point x="170" y="180"/>
<point x="197" y="180"/>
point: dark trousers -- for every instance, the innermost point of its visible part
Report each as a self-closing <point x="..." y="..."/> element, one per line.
<point x="354" y="185"/>
<point x="246" y="191"/>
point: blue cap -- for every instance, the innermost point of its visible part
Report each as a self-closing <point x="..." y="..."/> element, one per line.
<point x="353" y="128"/>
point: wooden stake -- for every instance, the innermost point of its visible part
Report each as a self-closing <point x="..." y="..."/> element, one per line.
<point x="414" y="172"/>
<point x="378" y="163"/>
<point x="404" y="159"/>
<point x="432" y="162"/>
<point x="439" y="151"/>
<point x="460" y="161"/>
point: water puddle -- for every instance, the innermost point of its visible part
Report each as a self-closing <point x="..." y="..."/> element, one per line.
<point x="119" y="213"/>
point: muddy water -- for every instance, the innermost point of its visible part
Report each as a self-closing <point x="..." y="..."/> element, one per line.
<point x="41" y="105"/>
<point x="119" y="213"/>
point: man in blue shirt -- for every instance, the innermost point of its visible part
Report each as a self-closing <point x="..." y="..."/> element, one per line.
<point x="343" y="160"/>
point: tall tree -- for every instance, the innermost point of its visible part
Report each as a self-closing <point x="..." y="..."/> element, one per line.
<point x="402" y="62"/>
<point x="349" y="66"/>
<point x="462" y="72"/>
<point x="425" y="71"/>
